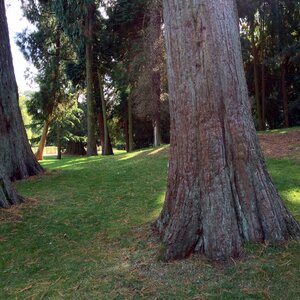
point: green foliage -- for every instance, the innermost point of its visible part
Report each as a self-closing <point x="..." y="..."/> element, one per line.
<point x="72" y="125"/>
<point x="27" y="119"/>
<point x="89" y="237"/>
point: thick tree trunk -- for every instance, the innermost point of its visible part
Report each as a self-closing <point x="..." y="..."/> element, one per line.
<point x="16" y="155"/>
<point x="284" y="93"/>
<point x="219" y="194"/>
<point x="8" y="195"/>
<point x="91" y="118"/>
<point x="40" y="152"/>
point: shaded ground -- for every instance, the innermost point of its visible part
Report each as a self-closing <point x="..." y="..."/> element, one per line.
<point x="281" y="144"/>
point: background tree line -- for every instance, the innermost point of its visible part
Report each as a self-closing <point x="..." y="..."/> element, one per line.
<point x="102" y="71"/>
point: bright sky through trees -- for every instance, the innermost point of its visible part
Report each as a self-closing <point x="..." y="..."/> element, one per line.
<point x="17" y="23"/>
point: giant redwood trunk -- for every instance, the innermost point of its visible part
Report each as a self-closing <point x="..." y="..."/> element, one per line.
<point x="219" y="194"/>
<point x="16" y="156"/>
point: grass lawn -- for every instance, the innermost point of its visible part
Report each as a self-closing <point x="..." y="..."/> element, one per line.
<point x="85" y="234"/>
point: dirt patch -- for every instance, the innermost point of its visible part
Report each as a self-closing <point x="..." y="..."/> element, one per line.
<point x="280" y="145"/>
<point x="14" y="213"/>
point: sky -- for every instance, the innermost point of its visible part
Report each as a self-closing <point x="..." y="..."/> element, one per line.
<point x="17" y="23"/>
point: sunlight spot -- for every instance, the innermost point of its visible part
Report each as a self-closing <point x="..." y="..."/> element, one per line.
<point x="130" y="155"/>
<point x="293" y="195"/>
<point x="156" y="151"/>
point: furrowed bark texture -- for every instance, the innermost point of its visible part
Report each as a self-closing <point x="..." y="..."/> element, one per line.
<point x="8" y="195"/>
<point x="219" y="194"/>
<point x="16" y="155"/>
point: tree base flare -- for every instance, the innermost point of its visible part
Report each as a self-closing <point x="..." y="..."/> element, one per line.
<point x="219" y="243"/>
<point x="8" y="195"/>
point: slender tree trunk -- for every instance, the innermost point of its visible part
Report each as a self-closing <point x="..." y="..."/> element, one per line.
<point x="101" y="127"/>
<point x="16" y="156"/>
<point x="130" y="124"/>
<point x="157" y="131"/>
<point x="284" y="94"/>
<point x="156" y="61"/>
<point x="126" y="134"/>
<point x="263" y="95"/>
<point x="58" y="135"/>
<point x="219" y="194"/>
<point x="263" y="70"/>
<point x="256" y="77"/>
<point x="156" y="121"/>
<point x="106" y="147"/>
<point x="91" y="118"/>
<point x="97" y="94"/>
<point x="40" y="152"/>
<point x="8" y="195"/>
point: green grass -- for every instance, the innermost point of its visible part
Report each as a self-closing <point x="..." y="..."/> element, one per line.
<point x="280" y="131"/>
<point x="88" y="236"/>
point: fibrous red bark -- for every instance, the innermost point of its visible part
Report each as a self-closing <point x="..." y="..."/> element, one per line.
<point x="40" y="151"/>
<point x="219" y="194"/>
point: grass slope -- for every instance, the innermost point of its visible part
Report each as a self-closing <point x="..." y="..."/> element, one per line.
<point x="88" y="236"/>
